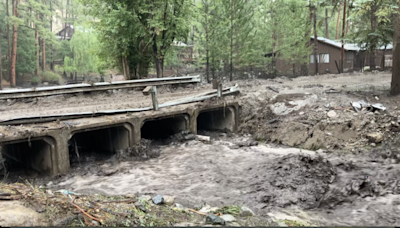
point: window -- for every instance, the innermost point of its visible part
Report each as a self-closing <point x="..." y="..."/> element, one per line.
<point x="388" y="60"/>
<point x="322" y="58"/>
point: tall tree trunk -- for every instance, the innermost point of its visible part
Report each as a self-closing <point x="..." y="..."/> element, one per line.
<point x="348" y="21"/>
<point x="207" y="44"/>
<point x="231" y="46"/>
<point x="338" y="22"/>
<point x="14" y="46"/>
<point x="125" y="65"/>
<point x="326" y="24"/>
<point x="374" y="24"/>
<point x="157" y="62"/>
<point x="1" y="63"/>
<point x="274" y="41"/>
<point x="43" y="55"/>
<point x="343" y="29"/>
<point x="8" y="42"/>
<point x="395" y="85"/>
<point x="51" y="30"/>
<point x="316" y="59"/>
<point x="37" y="47"/>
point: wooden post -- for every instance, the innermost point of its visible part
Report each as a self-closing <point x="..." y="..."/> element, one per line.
<point x="215" y="83"/>
<point x="154" y="98"/>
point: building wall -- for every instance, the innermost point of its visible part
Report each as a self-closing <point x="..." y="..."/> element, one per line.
<point x="334" y="55"/>
<point x="364" y="58"/>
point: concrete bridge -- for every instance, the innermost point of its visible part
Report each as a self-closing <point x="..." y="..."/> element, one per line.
<point x="44" y="147"/>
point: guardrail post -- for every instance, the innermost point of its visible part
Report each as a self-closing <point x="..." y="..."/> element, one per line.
<point x="154" y="97"/>
<point x="219" y="90"/>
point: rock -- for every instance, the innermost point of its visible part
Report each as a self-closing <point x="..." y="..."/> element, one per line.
<point x="145" y="197"/>
<point x="214" y="220"/>
<point x="45" y="83"/>
<point x="139" y="205"/>
<point x="13" y="213"/>
<point x="197" y="207"/>
<point x="1" y="135"/>
<point x="373" y="144"/>
<point x="332" y="114"/>
<point x="253" y="143"/>
<point x="246" y="212"/>
<point x="234" y="147"/>
<point x="375" y="137"/>
<point x="185" y="224"/>
<point x="208" y="209"/>
<point x="179" y="206"/>
<point x="203" y="138"/>
<point x="169" y="200"/>
<point x="108" y="170"/>
<point x="228" y="218"/>
<point x="190" y="137"/>
<point x="158" y="199"/>
<point x="129" y="195"/>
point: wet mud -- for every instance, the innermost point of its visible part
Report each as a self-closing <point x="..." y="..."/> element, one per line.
<point x="321" y="189"/>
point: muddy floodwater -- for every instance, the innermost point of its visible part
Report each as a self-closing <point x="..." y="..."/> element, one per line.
<point x="286" y="183"/>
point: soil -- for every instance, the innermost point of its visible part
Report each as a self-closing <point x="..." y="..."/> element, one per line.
<point x="301" y="157"/>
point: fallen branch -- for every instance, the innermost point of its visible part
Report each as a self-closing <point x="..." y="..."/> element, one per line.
<point x="83" y="211"/>
<point x="10" y="197"/>
<point x="197" y="212"/>
<point x="340" y="108"/>
<point x="121" y="201"/>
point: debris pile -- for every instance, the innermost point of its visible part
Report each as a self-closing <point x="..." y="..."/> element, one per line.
<point x="295" y="179"/>
<point x="66" y="208"/>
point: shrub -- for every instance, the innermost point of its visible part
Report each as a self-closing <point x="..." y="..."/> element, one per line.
<point x="35" y="80"/>
<point x="50" y="77"/>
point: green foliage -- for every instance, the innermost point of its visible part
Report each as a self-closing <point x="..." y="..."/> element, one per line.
<point x="50" y="76"/>
<point x="232" y="210"/>
<point x="35" y="79"/>
<point x="69" y="65"/>
<point x="84" y="45"/>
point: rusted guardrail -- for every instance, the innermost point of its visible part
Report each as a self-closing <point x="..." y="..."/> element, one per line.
<point x="99" y="86"/>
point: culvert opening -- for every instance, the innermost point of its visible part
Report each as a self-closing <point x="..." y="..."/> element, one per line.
<point x="98" y="144"/>
<point x="27" y="157"/>
<point x="216" y="120"/>
<point x="163" y="128"/>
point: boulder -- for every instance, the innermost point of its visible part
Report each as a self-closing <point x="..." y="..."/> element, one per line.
<point x="228" y="218"/>
<point x="13" y="213"/>
<point x="332" y="114"/>
<point x="246" y="212"/>
<point x="169" y="200"/>
<point x="158" y="199"/>
<point x="375" y="137"/>
<point x="214" y="220"/>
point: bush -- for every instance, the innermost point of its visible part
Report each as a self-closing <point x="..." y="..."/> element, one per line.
<point x="35" y="80"/>
<point x="50" y="77"/>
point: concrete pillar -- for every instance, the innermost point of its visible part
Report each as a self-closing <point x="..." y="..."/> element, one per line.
<point x="60" y="154"/>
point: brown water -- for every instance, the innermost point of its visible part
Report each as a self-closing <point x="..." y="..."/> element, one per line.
<point x="284" y="183"/>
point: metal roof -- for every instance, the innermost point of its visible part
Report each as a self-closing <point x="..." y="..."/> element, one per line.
<point x="348" y="46"/>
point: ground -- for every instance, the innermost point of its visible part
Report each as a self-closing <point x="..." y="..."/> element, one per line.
<point x="302" y="157"/>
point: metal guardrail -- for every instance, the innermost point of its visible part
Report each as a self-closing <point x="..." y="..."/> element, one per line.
<point x="99" y="86"/>
<point x="68" y="116"/>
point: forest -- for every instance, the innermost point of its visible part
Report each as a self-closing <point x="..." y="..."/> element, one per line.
<point x="141" y="38"/>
